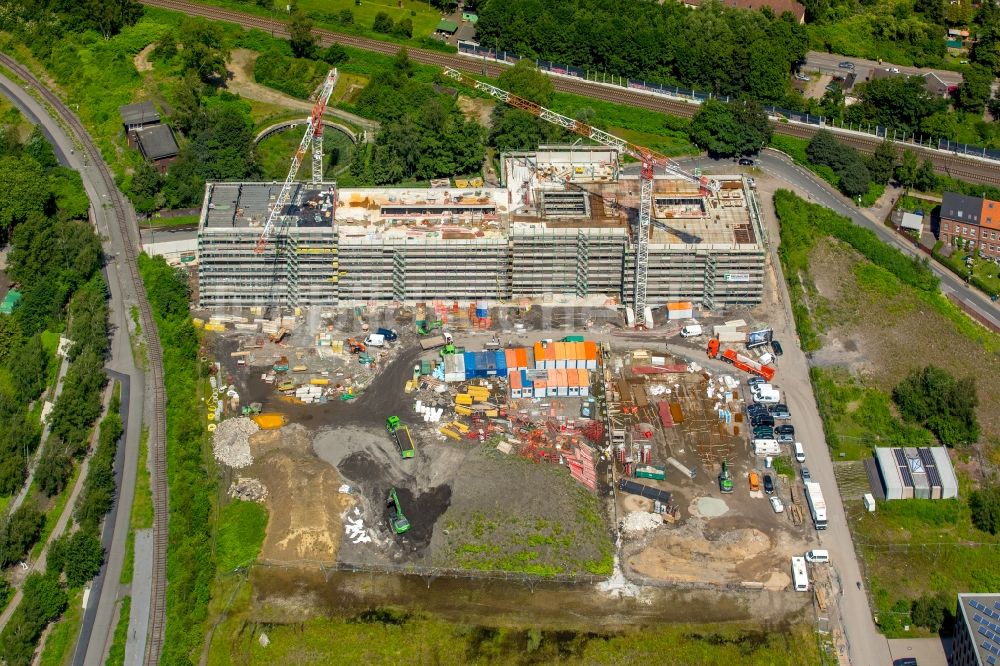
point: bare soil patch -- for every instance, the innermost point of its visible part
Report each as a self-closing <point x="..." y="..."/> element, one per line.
<point x="476" y="109"/>
<point x="141" y="59"/>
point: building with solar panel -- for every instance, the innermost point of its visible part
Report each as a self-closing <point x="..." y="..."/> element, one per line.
<point x="977" y="634"/>
<point x="912" y="473"/>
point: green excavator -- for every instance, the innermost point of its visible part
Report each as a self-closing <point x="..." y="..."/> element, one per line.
<point x="725" y="480"/>
<point x="397" y="520"/>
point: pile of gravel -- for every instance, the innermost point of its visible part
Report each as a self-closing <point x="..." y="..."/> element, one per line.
<point x="231" y="442"/>
<point x="248" y="490"/>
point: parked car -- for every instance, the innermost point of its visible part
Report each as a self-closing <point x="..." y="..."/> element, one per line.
<point x="746" y="161"/>
<point x="846" y="64"/>
<point x="786" y="439"/>
<point x="776" y="348"/>
<point x="756" y="408"/>
<point x="892" y="70"/>
<point x="763" y="432"/>
<point x="776" y="504"/>
<point x="762" y="420"/>
<point x="780" y="411"/>
<point x="768" y="484"/>
<point x="785" y="429"/>
<point x="756" y="381"/>
<point x="806" y="476"/>
<point x="802" y="77"/>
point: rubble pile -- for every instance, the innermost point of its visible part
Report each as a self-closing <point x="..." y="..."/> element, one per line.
<point x="231" y="442"/>
<point x="636" y="522"/>
<point x="248" y="490"/>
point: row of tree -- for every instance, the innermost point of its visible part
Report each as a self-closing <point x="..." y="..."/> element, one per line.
<point x="715" y="49"/>
<point x="855" y="173"/>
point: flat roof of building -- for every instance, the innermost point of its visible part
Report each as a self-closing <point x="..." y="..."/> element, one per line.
<point x="139" y="113"/>
<point x="981" y="615"/>
<point x="247" y="205"/>
<point x="156" y="142"/>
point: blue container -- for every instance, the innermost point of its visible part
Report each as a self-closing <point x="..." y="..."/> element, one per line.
<point x="501" y="360"/>
<point x="482" y="310"/>
<point x="525" y="382"/>
<point x="470" y="364"/>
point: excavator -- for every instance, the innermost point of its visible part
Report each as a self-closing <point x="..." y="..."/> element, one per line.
<point x="397" y="520"/>
<point x="725" y="479"/>
<point x="356" y="346"/>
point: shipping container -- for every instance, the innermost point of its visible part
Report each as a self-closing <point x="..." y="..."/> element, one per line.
<point x="550" y="356"/>
<point x="590" y="352"/>
<point x="527" y="386"/>
<point x="585" y="382"/>
<point x="539" y="352"/>
<point x="501" y="361"/>
<point x="560" y="354"/>
<point x="514" y="381"/>
<point x="511" y="359"/>
<point x="522" y="358"/>
<point x="541" y="388"/>
<point x="572" y="382"/>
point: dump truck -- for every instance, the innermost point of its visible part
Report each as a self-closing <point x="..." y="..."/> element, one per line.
<point x="356" y="346"/>
<point x="641" y="490"/>
<point x="401" y="434"/>
<point x="433" y="342"/>
<point x="747" y="364"/>
<point x="725" y="480"/>
<point x="397" y="520"/>
<point x="389" y="334"/>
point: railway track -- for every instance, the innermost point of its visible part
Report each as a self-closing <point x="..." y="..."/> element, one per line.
<point x="157" y="429"/>
<point x="964" y="168"/>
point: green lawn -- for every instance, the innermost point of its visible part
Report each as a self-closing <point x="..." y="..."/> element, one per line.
<point x="168" y="222"/>
<point x="986" y="274"/>
<point x="116" y="653"/>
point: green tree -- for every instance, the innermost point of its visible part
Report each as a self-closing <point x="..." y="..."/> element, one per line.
<point x="926" y="177"/>
<point x="403" y="28"/>
<point x="19" y="533"/>
<point x="334" y="54"/>
<point x="527" y="81"/>
<point x="402" y="64"/>
<point x="79" y="555"/>
<point x="300" y="35"/>
<point x="975" y="91"/>
<point x="740" y="128"/>
<point x="383" y="23"/>
<point x="28" y="376"/>
<point x="145" y="188"/>
<point x="900" y="102"/>
<point x="933" y="611"/>
<point x="937" y="126"/>
<point x="984" y="505"/>
<point x="944" y="405"/>
<point x="23" y="191"/>
<point x="205" y="51"/>
<point x="39" y="149"/>
<point x="188" y="111"/>
<point x="906" y="172"/>
<point x="882" y="162"/>
<point x="854" y="179"/>
<point x="166" y="47"/>
<point x="932" y="9"/>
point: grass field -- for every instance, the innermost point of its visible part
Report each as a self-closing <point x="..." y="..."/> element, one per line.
<point x="275" y="152"/>
<point x="986" y="273"/>
<point x="240" y="534"/>
<point x="394" y="636"/>
<point x="326" y="14"/>
<point x="867" y="323"/>
<point x="169" y="222"/>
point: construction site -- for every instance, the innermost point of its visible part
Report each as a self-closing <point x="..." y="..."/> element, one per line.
<point x="464" y="380"/>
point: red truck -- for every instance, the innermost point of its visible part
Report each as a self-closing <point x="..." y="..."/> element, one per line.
<point x="748" y="364"/>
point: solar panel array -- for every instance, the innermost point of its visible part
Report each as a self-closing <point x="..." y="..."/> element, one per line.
<point x="904" y="468"/>
<point x="988" y="628"/>
<point x="932" y="471"/>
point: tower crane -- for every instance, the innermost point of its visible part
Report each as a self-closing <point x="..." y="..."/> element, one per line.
<point x="649" y="159"/>
<point x="314" y="136"/>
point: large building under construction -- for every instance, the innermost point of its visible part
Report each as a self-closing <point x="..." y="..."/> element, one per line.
<point x="561" y="225"/>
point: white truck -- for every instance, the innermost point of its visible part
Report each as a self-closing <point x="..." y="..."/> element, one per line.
<point x="800" y="578"/>
<point x="817" y="505"/>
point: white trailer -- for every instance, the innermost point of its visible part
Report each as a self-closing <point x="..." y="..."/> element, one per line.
<point x="800" y="578"/>
<point x="817" y="505"/>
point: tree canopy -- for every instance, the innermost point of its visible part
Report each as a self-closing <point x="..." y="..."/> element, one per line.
<point x="715" y="49"/>
<point x="727" y="129"/>
<point x="941" y="403"/>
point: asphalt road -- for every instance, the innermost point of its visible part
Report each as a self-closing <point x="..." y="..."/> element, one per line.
<point x="794" y="177"/>
<point x="829" y="63"/>
<point x="92" y="644"/>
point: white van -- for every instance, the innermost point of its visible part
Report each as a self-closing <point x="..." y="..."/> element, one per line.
<point x="771" y="397"/>
<point x="375" y="340"/>
<point x="691" y="331"/>
<point x="800" y="453"/>
<point x="818" y="556"/>
<point x="800" y="579"/>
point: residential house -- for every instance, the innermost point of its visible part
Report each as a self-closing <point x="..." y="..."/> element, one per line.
<point x="972" y="222"/>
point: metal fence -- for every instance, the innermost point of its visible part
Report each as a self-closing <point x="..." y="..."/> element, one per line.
<point x="654" y="88"/>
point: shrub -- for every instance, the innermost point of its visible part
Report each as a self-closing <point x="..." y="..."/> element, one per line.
<point x="944" y="405"/>
<point x="985" y="507"/>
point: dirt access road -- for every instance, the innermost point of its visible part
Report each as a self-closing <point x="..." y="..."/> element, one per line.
<point x="241" y="81"/>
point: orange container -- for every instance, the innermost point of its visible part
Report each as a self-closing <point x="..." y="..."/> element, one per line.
<point x="590" y="350"/>
<point x="539" y="355"/>
<point x="584" y="378"/>
<point x="550" y="356"/>
<point x="522" y="358"/>
<point x="511" y="356"/>
<point x="515" y="380"/>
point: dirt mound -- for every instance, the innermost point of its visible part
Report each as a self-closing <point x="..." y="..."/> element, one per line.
<point x="303" y="499"/>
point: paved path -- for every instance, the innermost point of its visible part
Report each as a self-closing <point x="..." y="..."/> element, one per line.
<point x="829" y="63"/>
<point x="138" y="621"/>
<point x="92" y="643"/>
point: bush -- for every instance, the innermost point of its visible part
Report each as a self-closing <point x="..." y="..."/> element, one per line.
<point x="79" y="555"/>
<point x="44" y="601"/>
<point x="297" y="77"/>
<point x="944" y="405"/>
<point x="383" y="23"/>
<point x="985" y="507"/>
<point x="933" y="612"/>
<point x="19" y="533"/>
